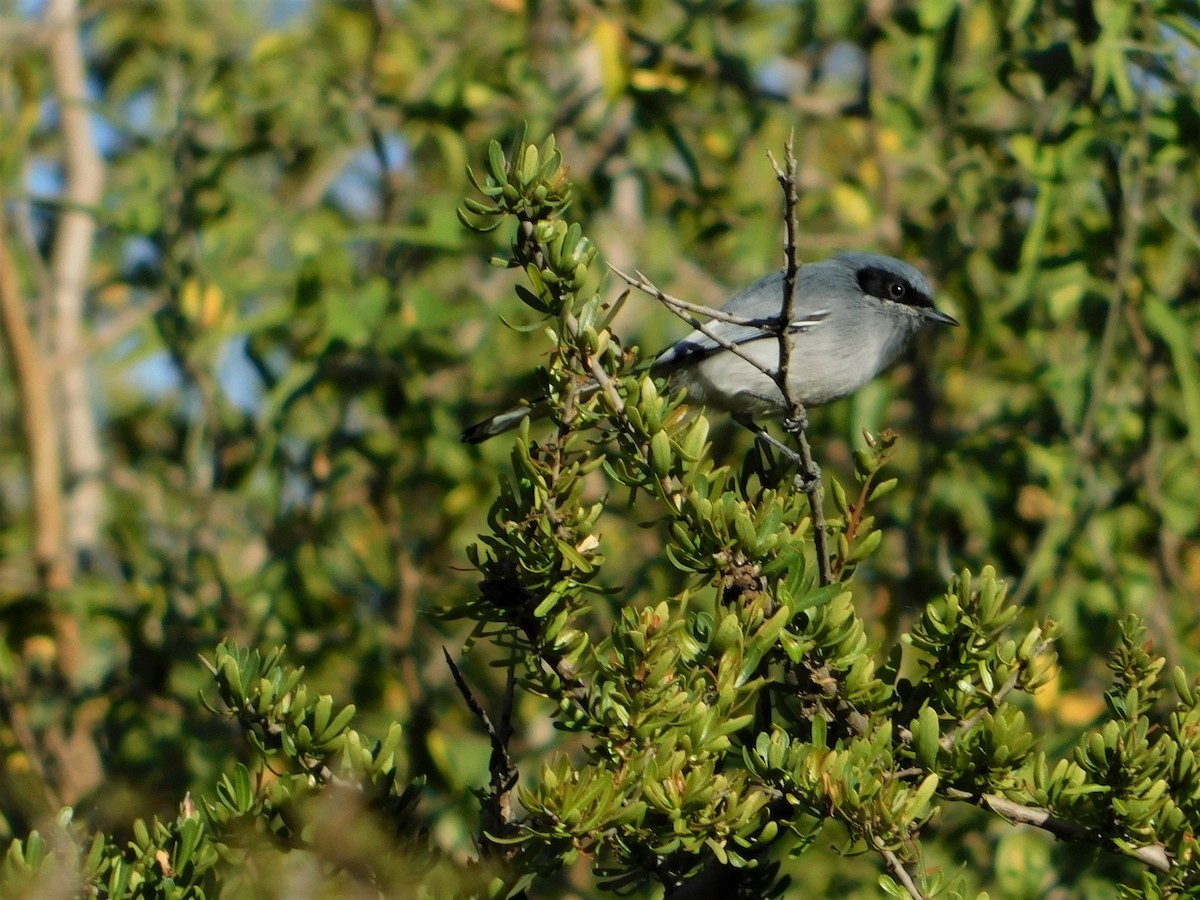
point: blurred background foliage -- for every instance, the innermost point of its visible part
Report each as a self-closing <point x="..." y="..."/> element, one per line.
<point x="283" y="327"/>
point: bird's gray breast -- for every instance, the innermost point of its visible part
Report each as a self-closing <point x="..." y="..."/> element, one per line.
<point x="830" y="359"/>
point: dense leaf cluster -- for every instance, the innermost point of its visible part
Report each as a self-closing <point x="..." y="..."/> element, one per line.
<point x="280" y="327"/>
<point x="721" y="720"/>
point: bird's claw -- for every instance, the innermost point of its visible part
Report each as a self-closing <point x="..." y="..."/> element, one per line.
<point x="810" y="480"/>
<point x="796" y="424"/>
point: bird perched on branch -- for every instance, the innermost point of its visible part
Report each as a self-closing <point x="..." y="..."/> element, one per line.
<point x="850" y="317"/>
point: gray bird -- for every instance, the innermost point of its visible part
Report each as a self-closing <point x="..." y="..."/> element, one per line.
<point x="851" y="317"/>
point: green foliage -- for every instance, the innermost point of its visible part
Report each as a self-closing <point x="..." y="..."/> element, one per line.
<point x="322" y="791"/>
<point x="718" y="723"/>
<point x="286" y="326"/>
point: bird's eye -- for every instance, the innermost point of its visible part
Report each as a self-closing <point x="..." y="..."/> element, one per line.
<point x="897" y="290"/>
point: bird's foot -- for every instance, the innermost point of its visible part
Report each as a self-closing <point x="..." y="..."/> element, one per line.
<point x="808" y="480"/>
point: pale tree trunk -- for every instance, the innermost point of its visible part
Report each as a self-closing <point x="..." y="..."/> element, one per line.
<point x="39" y="424"/>
<point x="72" y="743"/>
<point x="69" y="267"/>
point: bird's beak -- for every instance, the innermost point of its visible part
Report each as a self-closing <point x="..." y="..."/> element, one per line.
<point x="936" y="315"/>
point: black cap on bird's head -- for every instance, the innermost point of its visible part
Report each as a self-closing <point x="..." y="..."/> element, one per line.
<point x="895" y="281"/>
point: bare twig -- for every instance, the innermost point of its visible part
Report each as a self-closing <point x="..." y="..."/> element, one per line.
<point x="682" y="309"/>
<point x="676" y="305"/>
<point x="474" y="705"/>
<point x="498" y="815"/>
<point x="898" y="871"/>
<point x="797" y="417"/>
<point x="791" y="266"/>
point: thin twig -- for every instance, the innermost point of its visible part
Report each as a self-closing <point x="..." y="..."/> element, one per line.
<point x="772" y="323"/>
<point x="791" y="266"/>
<point x="501" y="767"/>
<point x="855" y="519"/>
<point x="950" y="738"/>
<point x="606" y="385"/>
<point x="602" y="378"/>
<point x="472" y="703"/>
<point x="898" y="871"/>
<point x="681" y="307"/>
<point x="797" y="417"/>
<point x="825" y="683"/>
<point x="526" y="250"/>
<point x="642" y="283"/>
<point x="506" y="729"/>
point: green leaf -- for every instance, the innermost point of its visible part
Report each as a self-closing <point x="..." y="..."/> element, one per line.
<point x="819" y="597"/>
<point x="839" y="498"/>
<point x="574" y="557"/>
<point x="927" y="737"/>
<point x="497" y="164"/>
<point x="918" y="805"/>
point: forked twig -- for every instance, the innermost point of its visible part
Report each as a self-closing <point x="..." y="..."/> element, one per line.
<point x="682" y="309"/>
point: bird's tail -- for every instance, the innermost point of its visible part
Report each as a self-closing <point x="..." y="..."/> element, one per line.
<point x="511" y="418"/>
<point x="505" y="421"/>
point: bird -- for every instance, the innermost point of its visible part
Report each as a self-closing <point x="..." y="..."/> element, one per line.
<point x="851" y="316"/>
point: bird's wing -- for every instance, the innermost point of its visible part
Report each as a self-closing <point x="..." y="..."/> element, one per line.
<point x="761" y="300"/>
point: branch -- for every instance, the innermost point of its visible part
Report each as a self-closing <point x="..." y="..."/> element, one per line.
<point x="77" y="764"/>
<point x="797" y="417"/>
<point x="1153" y="855"/>
<point x="825" y="685"/>
<point x="787" y="181"/>
<point x="602" y="378"/>
<point x="682" y="308"/>
<point x="121" y="326"/>
<point x="503" y="771"/>
<point x="898" y="871"/>
<point x="38" y="422"/>
<point x="859" y="507"/>
<point x="642" y="283"/>
<point x="950" y="738"/>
